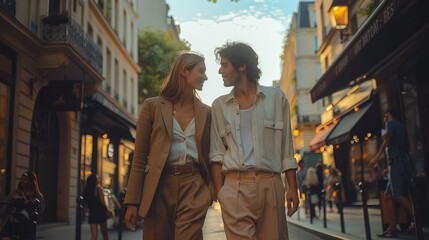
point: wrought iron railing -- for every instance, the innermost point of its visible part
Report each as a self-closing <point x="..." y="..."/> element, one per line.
<point x="310" y="119"/>
<point x="9" y="6"/>
<point x="61" y="28"/>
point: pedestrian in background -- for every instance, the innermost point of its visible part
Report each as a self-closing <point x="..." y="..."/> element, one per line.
<point x="320" y="179"/>
<point x="300" y="176"/>
<point x="395" y="142"/>
<point x="169" y="184"/>
<point x="312" y="184"/>
<point x="251" y="145"/>
<point x="332" y="179"/>
<point x="94" y="200"/>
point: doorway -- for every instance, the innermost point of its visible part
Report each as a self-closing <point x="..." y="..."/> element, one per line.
<point x="44" y="156"/>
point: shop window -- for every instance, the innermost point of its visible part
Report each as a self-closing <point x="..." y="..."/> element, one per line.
<point x="4" y="133"/>
<point x="6" y="80"/>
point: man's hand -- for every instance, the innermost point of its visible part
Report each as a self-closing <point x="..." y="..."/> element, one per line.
<point x="292" y="201"/>
<point x="216" y="170"/>
<point x="131" y="217"/>
<point x="216" y="191"/>
<point x="373" y="163"/>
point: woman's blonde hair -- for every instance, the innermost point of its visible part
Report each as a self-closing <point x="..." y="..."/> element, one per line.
<point x="311" y="178"/>
<point x="173" y="87"/>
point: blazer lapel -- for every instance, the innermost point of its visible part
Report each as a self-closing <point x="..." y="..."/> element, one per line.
<point x="167" y="115"/>
<point x="200" y="121"/>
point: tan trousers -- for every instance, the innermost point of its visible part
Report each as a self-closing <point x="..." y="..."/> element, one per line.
<point x="179" y="208"/>
<point x="253" y="206"/>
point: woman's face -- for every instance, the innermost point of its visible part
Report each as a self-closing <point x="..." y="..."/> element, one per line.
<point x="196" y="77"/>
<point x="24" y="180"/>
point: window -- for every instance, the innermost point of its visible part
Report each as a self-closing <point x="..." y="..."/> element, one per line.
<point x="124" y="39"/>
<point x="125" y="90"/>
<point x="108" y="71"/>
<point x="316" y="44"/>
<point x="54" y="7"/>
<point x="6" y="79"/>
<point x="322" y="18"/>
<point x="116" y="80"/>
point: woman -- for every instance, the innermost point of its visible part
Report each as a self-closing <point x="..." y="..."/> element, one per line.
<point x="94" y="199"/>
<point x="169" y="180"/>
<point x="28" y="204"/>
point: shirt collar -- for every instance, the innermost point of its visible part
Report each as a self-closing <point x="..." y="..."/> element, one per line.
<point x="260" y="91"/>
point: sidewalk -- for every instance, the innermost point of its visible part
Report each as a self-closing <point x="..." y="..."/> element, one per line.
<point x="213" y="227"/>
<point x="354" y="224"/>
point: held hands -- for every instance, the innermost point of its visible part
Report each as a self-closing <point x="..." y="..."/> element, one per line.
<point x="292" y="201"/>
<point x="131" y="217"/>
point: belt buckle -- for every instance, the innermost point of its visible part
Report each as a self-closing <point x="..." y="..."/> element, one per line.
<point x="176" y="170"/>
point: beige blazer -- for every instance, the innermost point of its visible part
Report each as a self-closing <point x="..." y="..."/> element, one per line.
<point x="152" y="146"/>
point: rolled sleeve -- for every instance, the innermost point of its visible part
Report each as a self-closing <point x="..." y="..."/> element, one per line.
<point x="289" y="161"/>
<point x="217" y="148"/>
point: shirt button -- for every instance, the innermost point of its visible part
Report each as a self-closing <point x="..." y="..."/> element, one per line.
<point x="238" y="129"/>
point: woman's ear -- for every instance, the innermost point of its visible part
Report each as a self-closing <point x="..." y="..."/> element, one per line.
<point x="185" y="72"/>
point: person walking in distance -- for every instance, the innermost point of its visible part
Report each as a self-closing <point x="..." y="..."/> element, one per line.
<point x="300" y="177"/>
<point x="250" y="146"/>
<point x="169" y="184"/>
<point x="395" y="142"/>
<point x="94" y="199"/>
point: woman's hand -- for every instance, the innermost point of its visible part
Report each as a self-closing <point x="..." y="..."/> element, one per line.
<point x="131" y="217"/>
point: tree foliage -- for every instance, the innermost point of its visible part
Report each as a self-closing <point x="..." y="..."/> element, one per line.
<point x="156" y="54"/>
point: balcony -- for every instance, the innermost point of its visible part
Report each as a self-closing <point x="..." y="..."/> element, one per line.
<point x="309" y="119"/>
<point x="9" y="6"/>
<point x="62" y="29"/>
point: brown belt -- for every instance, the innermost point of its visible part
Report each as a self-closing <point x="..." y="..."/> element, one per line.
<point x="181" y="169"/>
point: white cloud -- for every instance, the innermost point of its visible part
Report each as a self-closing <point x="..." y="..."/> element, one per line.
<point x="264" y="34"/>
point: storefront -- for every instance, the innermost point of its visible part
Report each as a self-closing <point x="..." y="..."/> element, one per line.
<point x="108" y="134"/>
<point x="7" y="72"/>
<point x="392" y="48"/>
<point x="347" y="142"/>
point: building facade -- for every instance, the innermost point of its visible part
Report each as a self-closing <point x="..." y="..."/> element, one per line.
<point x="389" y="49"/>
<point x="300" y="71"/>
<point x="68" y="96"/>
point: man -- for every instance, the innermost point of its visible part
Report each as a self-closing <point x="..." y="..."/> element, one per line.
<point x="251" y="145"/>
<point x="300" y="176"/>
<point x="395" y="142"/>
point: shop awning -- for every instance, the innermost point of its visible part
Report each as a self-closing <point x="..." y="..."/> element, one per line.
<point x="391" y="24"/>
<point x="319" y="140"/>
<point x="343" y="131"/>
<point x="106" y="116"/>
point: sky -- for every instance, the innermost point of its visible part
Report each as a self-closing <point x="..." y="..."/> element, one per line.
<point x="262" y="24"/>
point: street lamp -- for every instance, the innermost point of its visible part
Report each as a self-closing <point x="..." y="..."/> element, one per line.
<point x="339" y="12"/>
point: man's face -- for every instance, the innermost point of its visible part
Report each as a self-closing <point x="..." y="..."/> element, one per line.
<point x="230" y="75"/>
<point x="387" y="117"/>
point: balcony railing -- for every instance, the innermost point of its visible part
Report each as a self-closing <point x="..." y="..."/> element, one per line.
<point x="61" y="28"/>
<point x="9" y="6"/>
<point x="309" y="119"/>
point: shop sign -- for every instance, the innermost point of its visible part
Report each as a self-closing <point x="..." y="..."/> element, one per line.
<point x="64" y="96"/>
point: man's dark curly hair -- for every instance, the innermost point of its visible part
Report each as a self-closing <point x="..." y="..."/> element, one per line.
<point x="240" y="54"/>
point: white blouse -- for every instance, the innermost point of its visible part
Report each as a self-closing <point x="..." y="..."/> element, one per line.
<point x="184" y="147"/>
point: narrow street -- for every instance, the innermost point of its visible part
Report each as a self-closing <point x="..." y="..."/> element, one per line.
<point x="213" y="230"/>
